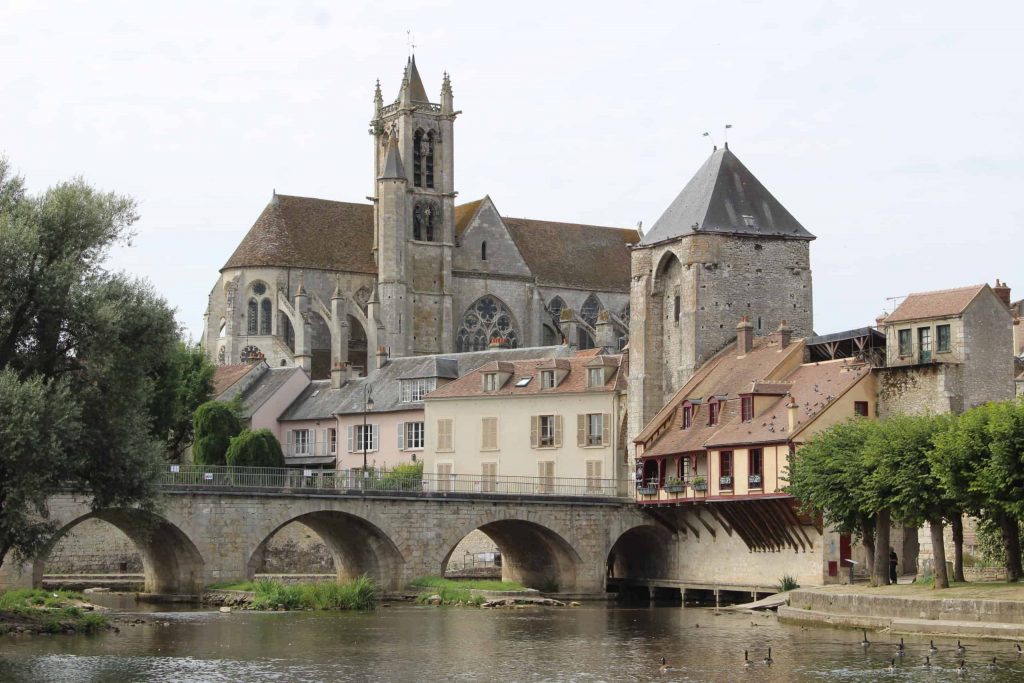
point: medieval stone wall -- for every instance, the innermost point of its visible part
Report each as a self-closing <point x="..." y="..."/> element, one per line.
<point x="919" y="389"/>
<point x="988" y="357"/>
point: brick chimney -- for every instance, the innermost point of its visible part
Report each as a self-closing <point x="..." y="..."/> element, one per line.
<point x="744" y="336"/>
<point x="340" y="373"/>
<point x="785" y="334"/>
<point x="382" y="357"/>
<point x="1002" y="290"/>
<point x="880" y="321"/>
<point x="792" y="409"/>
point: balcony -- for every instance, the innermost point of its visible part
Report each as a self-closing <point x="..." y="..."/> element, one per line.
<point x="307" y="453"/>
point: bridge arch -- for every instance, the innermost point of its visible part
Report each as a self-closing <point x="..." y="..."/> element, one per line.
<point x="171" y="562"/>
<point x="532" y="554"/>
<point x="644" y="551"/>
<point x="357" y="546"/>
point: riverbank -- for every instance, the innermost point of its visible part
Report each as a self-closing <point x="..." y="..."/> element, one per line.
<point x="35" y="611"/>
<point x="266" y="594"/>
<point x="974" y="610"/>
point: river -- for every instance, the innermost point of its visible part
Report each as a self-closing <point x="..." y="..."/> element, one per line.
<point x="411" y="643"/>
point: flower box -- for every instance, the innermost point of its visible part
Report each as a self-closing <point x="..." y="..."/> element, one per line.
<point x="754" y="480"/>
<point x="675" y="488"/>
<point x="700" y="485"/>
<point x="725" y="482"/>
<point x="647" y="490"/>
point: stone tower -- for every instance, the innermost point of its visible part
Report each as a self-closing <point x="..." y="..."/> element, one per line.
<point x="725" y="248"/>
<point x="414" y="217"/>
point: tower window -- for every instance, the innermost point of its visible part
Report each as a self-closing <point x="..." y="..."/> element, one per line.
<point x="417" y="158"/>
<point x="425" y="216"/>
<point x="428" y="159"/>
<point x="675" y="314"/>
<point x="254" y="317"/>
<point x="265" y="316"/>
<point x="483" y="250"/>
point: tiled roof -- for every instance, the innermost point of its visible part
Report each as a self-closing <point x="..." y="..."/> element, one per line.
<point x="571" y="255"/>
<point x="225" y="376"/>
<point x="260" y="389"/>
<point x="815" y="386"/>
<point x="302" y="232"/>
<point x="724" y="197"/>
<point x="574" y="382"/>
<point x="937" y="304"/>
<point x="678" y="440"/>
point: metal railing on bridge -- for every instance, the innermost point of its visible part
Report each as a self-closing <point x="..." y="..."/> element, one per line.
<point x="354" y="481"/>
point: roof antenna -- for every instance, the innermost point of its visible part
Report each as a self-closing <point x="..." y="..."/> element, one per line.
<point x="409" y="42"/>
<point x="726" y="133"/>
<point x="894" y="299"/>
<point x="708" y="136"/>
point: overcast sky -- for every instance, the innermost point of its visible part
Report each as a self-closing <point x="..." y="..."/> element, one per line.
<point x="891" y="130"/>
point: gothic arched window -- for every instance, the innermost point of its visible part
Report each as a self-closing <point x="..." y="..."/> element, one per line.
<point x="483" y="250"/>
<point x="265" y="316"/>
<point x="591" y="307"/>
<point x="254" y="317"/>
<point x="485" y="321"/>
<point x="425" y="218"/>
<point x="555" y="306"/>
<point x="417" y="158"/>
<point x="423" y="158"/>
<point x="428" y="159"/>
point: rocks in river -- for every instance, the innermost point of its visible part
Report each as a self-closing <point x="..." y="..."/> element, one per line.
<point x="96" y="589"/>
<point x="434" y="599"/>
<point x="524" y="602"/>
<point x="225" y="610"/>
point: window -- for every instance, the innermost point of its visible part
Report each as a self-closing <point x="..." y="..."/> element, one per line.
<point x="905" y="343"/>
<point x="746" y="408"/>
<point x="300" y="442"/>
<point x="860" y="408"/>
<point x="725" y="470"/>
<point x="485" y="320"/>
<point x="332" y="440"/>
<point x="942" y="338"/>
<point x="594" y="476"/>
<point x="523" y="381"/>
<point x="546" y="475"/>
<point x="589" y="310"/>
<point x="547" y="379"/>
<point x="361" y="440"/>
<point x="491" y="381"/>
<point x="489" y="434"/>
<point x="413" y="390"/>
<point x="410" y="436"/>
<point x="428" y="159"/>
<point x="555" y="306"/>
<point x="687" y="416"/>
<point x="924" y="343"/>
<point x="676" y="310"/>
<point x="423" y="159"/>
<point x="266" y="316"/>
<point x="755" y="468"/>
<point x="483" y="250"/>
<point x="444" y="434"/>
<point x="713" y="409"/>
<point x="254" y="317"/>
<point x="488" y="476"/>
<point x="595" y="377"/>
<point x="686" y="469"/>
<point x="593" y="429"/>
<point x="546" y="431"/>
<point x="417" y="158"/>
<point x="426" y="216"/>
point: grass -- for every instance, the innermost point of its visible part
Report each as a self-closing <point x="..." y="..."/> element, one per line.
<point x="457" y="591"/>
<point x="48" y="611"/>
<point x="360" y="594"/>
<point x="787" y="583"/>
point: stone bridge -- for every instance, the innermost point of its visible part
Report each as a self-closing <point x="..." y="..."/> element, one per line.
<point x="199" y="537"/>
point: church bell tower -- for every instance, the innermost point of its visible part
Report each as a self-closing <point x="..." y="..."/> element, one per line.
<point x="414" y="216"/>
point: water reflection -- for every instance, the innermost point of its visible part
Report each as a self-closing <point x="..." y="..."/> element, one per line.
<point x="406" y="643"/>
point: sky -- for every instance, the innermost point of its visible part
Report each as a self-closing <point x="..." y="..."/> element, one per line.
<point x="892" y="131"/>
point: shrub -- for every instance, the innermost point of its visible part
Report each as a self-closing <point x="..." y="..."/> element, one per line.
<point x="787" y="583"/>
<point x="215" y="423"/>
<point x="258" y="448"/>
<point x="360" y="594"/>
<point x="92" y="622"/>
<point x="406" y="477"/>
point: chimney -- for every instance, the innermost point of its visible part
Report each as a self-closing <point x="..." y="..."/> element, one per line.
<point x="340" y="373"/>
<point x="785" y="334"/>
<point x="382" y="357"/>
<point x="791" y="409"/>
<point x="744" y="336"/>
<point x="1002" y="290"/>
<point x="880" y="321"/>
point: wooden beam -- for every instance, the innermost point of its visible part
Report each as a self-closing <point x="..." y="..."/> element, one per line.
<point x="783" y="523"/>
<point x="738" y="524"/>
<point x="660" y="518"/>
<point x="720" y="519"/>
<point x="786" y="506"/>
<point x="764" y="531"/>
<point x="760" y="542"/>
<point x="711" y="529"/>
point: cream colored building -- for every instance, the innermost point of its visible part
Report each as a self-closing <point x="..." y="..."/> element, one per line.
<point x="554" y="419"/>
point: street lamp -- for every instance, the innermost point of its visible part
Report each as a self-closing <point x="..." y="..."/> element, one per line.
<point x="367" y="406"/>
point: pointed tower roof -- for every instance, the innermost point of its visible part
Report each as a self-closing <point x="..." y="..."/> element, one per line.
<point x="417" y="93"/>
<point x="393" y="162"/>
<point x="724" y="197"/>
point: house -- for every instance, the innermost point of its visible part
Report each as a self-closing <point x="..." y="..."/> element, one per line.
<point x="556" y="419"/>
<point x="262" y="391"/>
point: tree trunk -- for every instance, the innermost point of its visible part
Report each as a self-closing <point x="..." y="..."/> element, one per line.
<point x="957" y="526"/>
<point x="1010" y="528"/>
<point x="939" y="553"/>
<point x="880" y="568"/>
<point x="867" y="539"/>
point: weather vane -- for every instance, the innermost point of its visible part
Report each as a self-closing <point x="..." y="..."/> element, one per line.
<point x="409" y="41"/>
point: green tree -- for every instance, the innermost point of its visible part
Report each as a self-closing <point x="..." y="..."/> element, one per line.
<point x="827" y="475"/>
<point x="980" y="459"/>
<point x="259" y="448"/>
<point x="215" y="424"/>
<point x="903" y="481"/>
<point x="186" y="385"/>
<point x="91" y="344"/>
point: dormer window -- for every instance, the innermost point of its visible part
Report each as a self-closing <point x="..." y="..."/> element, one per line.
<point x="547" y="379"/>
<point x="746" y="408"/>
<point x="714" y="406"/>
<point x="491" y="381"/>
<point x="595" y="377"/>
<point x="687" y="416"/>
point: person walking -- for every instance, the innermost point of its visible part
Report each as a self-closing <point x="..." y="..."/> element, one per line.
<point x="893" y="561"/>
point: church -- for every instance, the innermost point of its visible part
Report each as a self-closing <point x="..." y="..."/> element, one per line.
<point x="337" y="288"/>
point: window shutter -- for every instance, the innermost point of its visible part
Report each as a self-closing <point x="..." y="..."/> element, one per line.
<point x="581" y="430"/>
<point x="558" y="431"/>
<point x="401" y="436"/>
<point x="534" y="429"/>
<point x="606" y="424"/>
<point x="350" y="444"/>
<point x="373" y="437"/>
<point x="288" y="447"/>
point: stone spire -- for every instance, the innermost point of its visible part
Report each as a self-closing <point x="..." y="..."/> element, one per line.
<point x="378" y="100"/>
<point x="393" y="168"/>
<point x="447" y="99"/>
<point x="416" y="90"/>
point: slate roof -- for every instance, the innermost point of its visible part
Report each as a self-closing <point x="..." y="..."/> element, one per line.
<point x="417" y="93"/>
<point x="303" y="232"/>
<point x="319" y="401"/>
<point x="259" y="388"/>
<point x="574" y="382"/>
<point x="724" y="197"/>
<point x="938" y="304"/>
<point x="573" y="255"/>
